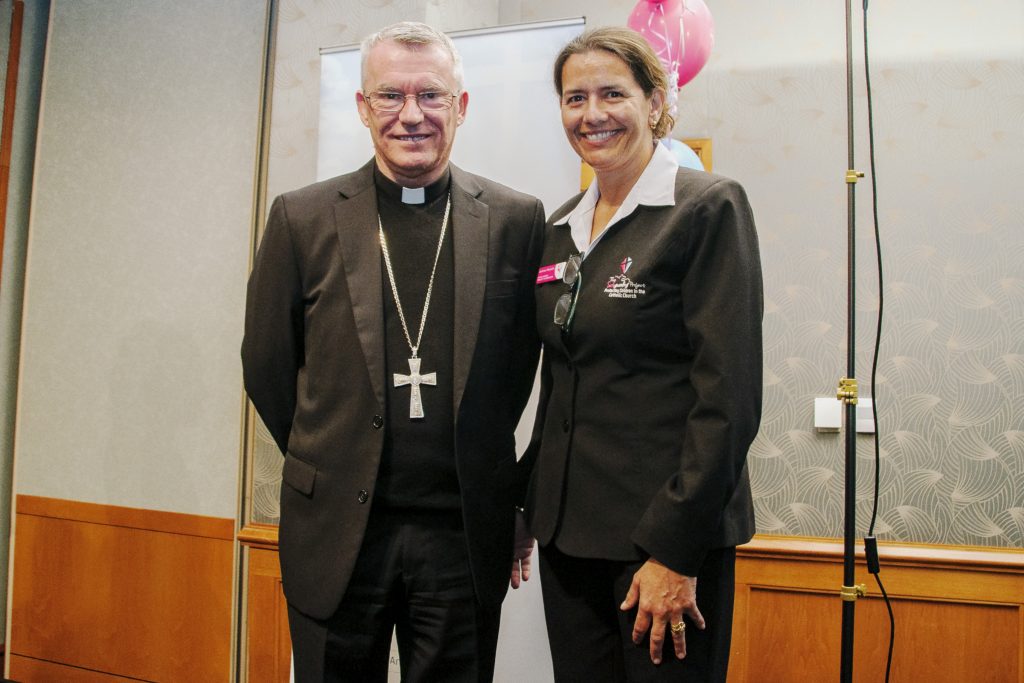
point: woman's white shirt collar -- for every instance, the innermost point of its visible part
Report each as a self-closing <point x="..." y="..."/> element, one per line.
<point x="655" y="187"/>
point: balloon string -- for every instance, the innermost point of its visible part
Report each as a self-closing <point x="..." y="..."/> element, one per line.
<point x="666" y="54"/>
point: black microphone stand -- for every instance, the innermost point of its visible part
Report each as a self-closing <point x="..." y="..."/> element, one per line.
<point x="847" y="392"/>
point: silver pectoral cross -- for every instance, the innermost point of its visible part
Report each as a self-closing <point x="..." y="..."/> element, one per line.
<point x="415" y="379"/>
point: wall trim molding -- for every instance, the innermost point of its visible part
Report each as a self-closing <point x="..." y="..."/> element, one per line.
<point x="31" y="669"/>
<point x="219" y="528"/>
<point x="806" y="549"/>
<point x="891" y="553"/>
<point x="258" y="536"/>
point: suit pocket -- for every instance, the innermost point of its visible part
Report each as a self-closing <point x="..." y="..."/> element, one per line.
<point x="298" y="474"/>
<point x="500" y="288"/>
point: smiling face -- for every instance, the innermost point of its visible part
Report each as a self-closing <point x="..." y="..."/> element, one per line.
<point x="412" y="146"/>
<point x="606" y="115"/>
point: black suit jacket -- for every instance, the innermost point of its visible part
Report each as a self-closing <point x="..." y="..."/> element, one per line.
<point x="313" y="362"/>
<point x="650" y="403"/>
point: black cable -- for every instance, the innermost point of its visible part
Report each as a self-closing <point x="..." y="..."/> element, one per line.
<point x="878" y="254"/>
<point x="892" y="626"/>
<point x="870" y="546"/>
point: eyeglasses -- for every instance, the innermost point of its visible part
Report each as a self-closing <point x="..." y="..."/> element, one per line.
<point x="386" y="102"/>
<point x="565" y="307"/>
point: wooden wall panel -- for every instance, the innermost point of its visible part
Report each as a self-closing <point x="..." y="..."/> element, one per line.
<point x="938" y="641"/>
<point x="133" y="593"/>
<point x="959" y="612"/>
<point x="269" y="647"/>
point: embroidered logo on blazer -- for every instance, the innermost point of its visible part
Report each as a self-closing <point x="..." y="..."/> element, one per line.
<point x="621" y="287"/>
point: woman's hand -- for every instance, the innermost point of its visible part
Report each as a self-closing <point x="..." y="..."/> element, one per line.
<point x="522" y="553"/>
<point x="662" y="597"/>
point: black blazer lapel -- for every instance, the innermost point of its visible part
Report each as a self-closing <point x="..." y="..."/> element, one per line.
<point x="470" y="231"/>
<point x="355" y="219"/>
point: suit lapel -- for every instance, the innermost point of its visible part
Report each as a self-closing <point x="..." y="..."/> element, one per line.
<point x="470" y="229"/>
<point x="355" y="219"/>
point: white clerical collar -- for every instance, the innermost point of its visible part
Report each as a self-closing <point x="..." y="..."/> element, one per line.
<point x="414" y="195"/>
<point x="655" y="187"/>
<point x="411" y="195"/>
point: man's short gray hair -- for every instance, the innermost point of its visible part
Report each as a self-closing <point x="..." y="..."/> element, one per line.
<point x="413" y="34"/>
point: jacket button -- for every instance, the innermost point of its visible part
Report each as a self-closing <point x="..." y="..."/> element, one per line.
<point x="565" y="426"/>
<point x="378" y="421"/>
<point x="363" y="496"/>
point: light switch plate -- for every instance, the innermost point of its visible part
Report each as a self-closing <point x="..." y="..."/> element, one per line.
<point x="865" y="419"/>
<point x="828" y="414"/>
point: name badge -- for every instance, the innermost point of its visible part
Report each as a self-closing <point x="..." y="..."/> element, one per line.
<point x="550" y="273"/>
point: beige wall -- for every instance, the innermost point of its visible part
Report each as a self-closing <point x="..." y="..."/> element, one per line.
<point x="139" y="245"/>
<point x="30" y="70"/>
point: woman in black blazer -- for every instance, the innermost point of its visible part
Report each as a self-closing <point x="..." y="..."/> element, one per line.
<point x="649" y="305"/>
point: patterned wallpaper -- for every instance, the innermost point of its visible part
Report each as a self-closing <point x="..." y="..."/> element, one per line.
<point x="949" y="115"/>
<point x="951" y="376"/>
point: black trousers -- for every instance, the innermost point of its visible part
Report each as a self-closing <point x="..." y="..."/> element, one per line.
<point x="591" y="638"/>
<point x="412" y="577"/>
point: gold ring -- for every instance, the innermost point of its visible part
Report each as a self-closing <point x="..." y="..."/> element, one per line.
<point x="678" y="628"/>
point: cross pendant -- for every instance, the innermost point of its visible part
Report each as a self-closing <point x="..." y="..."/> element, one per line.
<point x="415" y="379"/>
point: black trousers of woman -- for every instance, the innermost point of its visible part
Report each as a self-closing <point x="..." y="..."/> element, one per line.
<point x="591" y="638"/>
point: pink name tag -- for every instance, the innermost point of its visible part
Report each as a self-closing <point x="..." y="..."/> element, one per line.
<point x="550" y="273"/>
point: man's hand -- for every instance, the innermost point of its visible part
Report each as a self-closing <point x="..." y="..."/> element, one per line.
<point x="522" y="553"/>
<point x="662" y="597"/>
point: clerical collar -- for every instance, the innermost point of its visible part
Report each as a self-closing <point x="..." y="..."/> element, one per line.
<point x="408" y="195"/>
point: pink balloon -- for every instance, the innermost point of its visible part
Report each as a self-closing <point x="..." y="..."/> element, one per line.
<point x="698" y="39"/>
<point x="660" y="23"/>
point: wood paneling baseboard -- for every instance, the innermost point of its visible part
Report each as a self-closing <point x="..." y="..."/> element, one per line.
<point x="37" y="671"/>
<point x="959" y="613"/>
<point x="106" y="593"/>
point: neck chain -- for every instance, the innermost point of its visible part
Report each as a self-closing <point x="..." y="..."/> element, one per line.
<point x="414" y="378"/>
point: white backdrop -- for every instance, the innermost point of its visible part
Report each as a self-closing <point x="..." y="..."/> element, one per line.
<point x="512" y="134"/>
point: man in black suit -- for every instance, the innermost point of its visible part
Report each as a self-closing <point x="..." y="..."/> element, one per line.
<point x="390" y="349"/>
